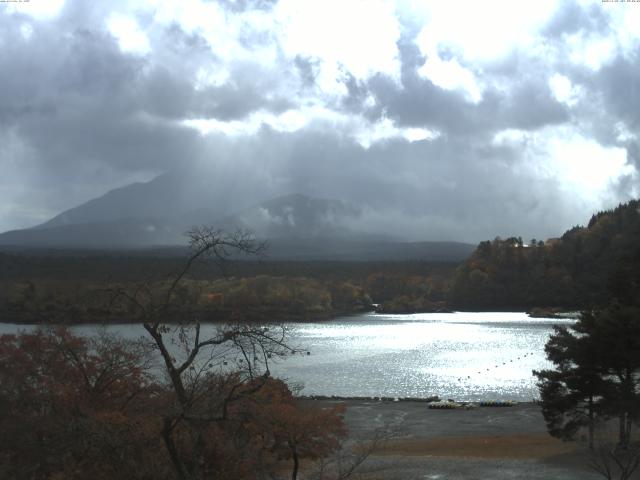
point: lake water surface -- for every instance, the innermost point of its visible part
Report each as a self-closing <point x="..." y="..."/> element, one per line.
<point x="462" y="355"/>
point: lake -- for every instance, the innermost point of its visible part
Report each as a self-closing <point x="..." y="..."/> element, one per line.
<point x="463" y="355"/>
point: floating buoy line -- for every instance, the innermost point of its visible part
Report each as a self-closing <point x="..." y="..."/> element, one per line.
<point x="506" y="362"/>
<point x="240" y="361"/>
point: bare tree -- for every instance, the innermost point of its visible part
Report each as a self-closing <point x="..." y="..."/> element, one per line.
<point x="613" y="462"/>
<point x="348" y="462"/>
<point x="216" y="372"/>
<point x="609" y="458"/>
<point x="208" y="367"/>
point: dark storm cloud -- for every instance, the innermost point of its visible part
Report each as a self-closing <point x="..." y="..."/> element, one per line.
<point x="619" y="86"/>
<point x="78" y="112"/>
<point x="416" y="101"/>
<point x="619" y="82"/>
<point x="441" y="189"/>
<point x="174" y="97"/>
<point x="610" y="97"/>
<point x="357" y="94"/>
<point x="81" y="105"/>
<point x="80" y="116"/>
<point x="168" y="88"/>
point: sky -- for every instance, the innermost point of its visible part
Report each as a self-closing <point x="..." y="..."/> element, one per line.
<point x="456" y="120"/>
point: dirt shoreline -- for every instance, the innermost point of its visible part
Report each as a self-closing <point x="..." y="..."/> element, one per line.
<point x="483" y="442"/>
<point x="495" y="446"/>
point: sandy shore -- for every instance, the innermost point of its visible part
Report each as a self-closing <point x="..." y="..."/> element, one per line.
<point x="498" y="446"/>
<point x="480" y="443"/>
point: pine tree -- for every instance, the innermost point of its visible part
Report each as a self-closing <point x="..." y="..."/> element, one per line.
<point x="596" y="375"/>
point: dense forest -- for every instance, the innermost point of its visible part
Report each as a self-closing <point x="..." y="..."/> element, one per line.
<point x="80" y="408"/>
<point x="75" y="287"/>
<point x="583" y="268"/>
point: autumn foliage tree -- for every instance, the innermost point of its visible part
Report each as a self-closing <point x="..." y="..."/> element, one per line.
<point x="291" y="430"/>
<point x="585" y="268"/>
<point x="213" y="371"/>
<point x="191" y="401"/>
<point x="76" y="408"/>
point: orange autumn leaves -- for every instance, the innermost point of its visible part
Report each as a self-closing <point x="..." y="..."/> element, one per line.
<point x="77" y="408"/>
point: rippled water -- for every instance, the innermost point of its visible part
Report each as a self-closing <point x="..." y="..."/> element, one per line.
<point x="463" y="355"/>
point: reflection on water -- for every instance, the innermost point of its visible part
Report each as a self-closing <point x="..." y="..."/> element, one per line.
<point x="464" y="355"/>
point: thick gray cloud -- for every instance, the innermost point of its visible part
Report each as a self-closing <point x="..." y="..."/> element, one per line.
<point x="620" y="85"/>
<point x="442" y="189"/>
<point x="80" y="116"/>
<point x="572" y="17"/>
<point x="416" y="101"/>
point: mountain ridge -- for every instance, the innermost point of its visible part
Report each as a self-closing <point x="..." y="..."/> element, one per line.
<point x="156" y="214"/>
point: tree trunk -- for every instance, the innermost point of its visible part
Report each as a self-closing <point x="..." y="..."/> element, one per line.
<point x="623" y="436"/>
<point x="591" y="420"/>
<point x="171" y="448"/>
<point x="198" y="452"/>
<point x="296" y="461"/>
<point x="174" y="375"/>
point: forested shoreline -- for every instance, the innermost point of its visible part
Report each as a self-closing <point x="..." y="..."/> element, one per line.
<point x="73" y="289"/>
<point x="582" y="269"/>
<point x="89" y="402"/>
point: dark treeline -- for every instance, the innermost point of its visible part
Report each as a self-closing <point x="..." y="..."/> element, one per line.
<point x="90" y="265"/>
<point x="586" y="267"/>
<point x="50" y="287"/>
<point x="78" y="408"/>
<point x="178" y="403"/>
<point x="595" y="376"/>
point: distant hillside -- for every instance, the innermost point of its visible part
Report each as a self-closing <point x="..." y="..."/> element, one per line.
<point x="296" y="216"/>
<point x="140" y="216"/>
<point x="297" y="227"/>
<point x="587" y="266"/>
<point x="166" y="197"/>
<point x="367" y="250"/>
<point x="117" y="234"/>
<point x="90" y="241"/>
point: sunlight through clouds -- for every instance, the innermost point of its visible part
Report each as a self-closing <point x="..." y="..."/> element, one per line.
<point x="318" y="118"/>
<point x="359" y="35"/>
<point x="481" y="30"/>
<point x="450" y="75"/>
<point x="38" y="9"/>
<point x="581" y="165"/>
<point x="563" y="90"/>
<point x="419" y="106"/>
<point x="228" y="34"/>
<point x="591" y="52"/>
<point x="128" y="33"/>
<point x="586" y="165"/>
